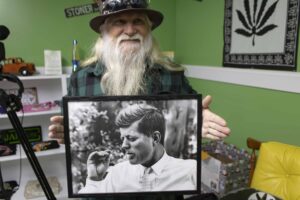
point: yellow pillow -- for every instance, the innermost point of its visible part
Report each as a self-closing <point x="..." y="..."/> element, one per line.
<point x="277" y="170"/>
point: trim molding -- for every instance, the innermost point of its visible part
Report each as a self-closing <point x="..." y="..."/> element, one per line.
<point x="275" y="80"/>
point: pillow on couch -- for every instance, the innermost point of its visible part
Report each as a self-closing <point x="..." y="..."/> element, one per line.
<point x="277" y="170"/>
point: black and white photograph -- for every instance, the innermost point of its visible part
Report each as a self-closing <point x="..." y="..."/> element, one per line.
<point x="261" y="34"/>
<point x="133" y="144"/>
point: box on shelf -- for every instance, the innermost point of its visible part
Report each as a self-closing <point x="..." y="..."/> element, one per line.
<point x="10" y="137"/>
<point x="33" y="188"/>
<point x="7" y="149"/>
<point x="225" y="168"/>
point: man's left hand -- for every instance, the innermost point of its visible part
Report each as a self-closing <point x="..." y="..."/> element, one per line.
<point x="213" y="127"/>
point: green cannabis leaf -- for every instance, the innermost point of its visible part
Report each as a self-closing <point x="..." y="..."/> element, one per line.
<point x="255" y="25"/>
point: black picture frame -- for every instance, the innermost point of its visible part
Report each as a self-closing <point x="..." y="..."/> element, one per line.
<point x="89" y="125"/>
<point x="274" y="44"/>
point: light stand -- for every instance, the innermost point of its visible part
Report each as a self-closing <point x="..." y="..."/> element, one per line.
<point x="5" y="194"/>
<point x="11" y="103"/>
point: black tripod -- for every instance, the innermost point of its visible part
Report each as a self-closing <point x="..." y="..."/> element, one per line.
<point x="12" y="103"/>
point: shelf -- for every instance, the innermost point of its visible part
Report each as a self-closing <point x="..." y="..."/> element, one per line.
<point x="60" y="150"/>
<point x="62" y="195"/>
<point x="42" y="76"/>
<point x="53" y="161"/>
<point x="47" y="112"/>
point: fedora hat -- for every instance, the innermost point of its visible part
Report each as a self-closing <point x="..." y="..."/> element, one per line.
<point x="109" y="8"/>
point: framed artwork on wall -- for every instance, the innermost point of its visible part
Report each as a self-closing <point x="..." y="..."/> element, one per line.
<point x="261" y="34"/>
<point x="133" y="145"/>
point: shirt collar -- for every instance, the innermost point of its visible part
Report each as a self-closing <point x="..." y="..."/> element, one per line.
<point x="97" y="70"/>
<point x="159" y="166"/>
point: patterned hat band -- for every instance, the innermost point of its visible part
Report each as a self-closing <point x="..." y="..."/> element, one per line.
<point x="111" y="6"/>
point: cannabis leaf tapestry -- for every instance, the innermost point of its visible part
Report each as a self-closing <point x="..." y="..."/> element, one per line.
<point x="261" y="34"/>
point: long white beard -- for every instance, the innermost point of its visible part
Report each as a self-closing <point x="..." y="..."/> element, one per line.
<point x="125" y="65"/>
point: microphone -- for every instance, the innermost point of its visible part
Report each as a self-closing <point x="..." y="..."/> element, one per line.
<point x="4" y="32"/>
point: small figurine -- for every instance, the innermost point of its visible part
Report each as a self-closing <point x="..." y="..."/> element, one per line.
<point x="16" y="65"/>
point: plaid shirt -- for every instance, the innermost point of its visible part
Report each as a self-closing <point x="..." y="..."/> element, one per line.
<point x="86" y="81"/>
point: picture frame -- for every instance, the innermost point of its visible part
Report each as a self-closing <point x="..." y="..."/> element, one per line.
<point x="29" y="96"/>
<point x="261" y="34"/>
<point x="90" y="127"/>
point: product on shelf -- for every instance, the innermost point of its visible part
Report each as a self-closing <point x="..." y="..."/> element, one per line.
<point x="33" y="188"/>
<point x="9" y="136"/>
<point x="75" y="56"/>
<point x="7" y="149"/>
<point x="45" y="145"/>
<point x="39" y="107"/>
<point x="29" y="96"/>
<point x="17" y="65"/>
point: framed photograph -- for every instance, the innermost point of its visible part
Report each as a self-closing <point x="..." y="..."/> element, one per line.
<point x="133" y="145"/>
<point x="261" y="34"/>
<point x="29" y="96"/>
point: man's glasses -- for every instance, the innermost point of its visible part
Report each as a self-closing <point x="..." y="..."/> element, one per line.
<point x="109" y="6"/>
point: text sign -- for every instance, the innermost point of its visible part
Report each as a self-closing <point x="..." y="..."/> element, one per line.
<point x="81" y="10"/>
<point x="9" y="136"/>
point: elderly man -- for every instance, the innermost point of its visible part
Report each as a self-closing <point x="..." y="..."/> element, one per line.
<point x="126" y="61"/>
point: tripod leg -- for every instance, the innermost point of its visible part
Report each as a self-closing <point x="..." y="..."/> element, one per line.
<point x="31" y="155"/>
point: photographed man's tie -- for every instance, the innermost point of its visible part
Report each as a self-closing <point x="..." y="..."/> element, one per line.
<point x="147" y="180"/>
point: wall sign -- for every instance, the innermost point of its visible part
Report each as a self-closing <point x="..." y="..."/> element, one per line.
<point x="261" y="34"/>
<point x="81" y="10"/>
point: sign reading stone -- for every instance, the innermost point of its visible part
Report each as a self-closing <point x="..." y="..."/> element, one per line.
<point x="81" y="10"/>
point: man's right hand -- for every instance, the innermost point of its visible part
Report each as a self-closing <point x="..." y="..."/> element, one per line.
<point x="97" y="164"/>
<point x="56" y="129"/>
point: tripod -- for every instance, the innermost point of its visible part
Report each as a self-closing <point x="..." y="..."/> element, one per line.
<point x="12" y="103"/>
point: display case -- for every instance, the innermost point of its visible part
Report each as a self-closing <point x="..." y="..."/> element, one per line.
<point x="17" y="167"/>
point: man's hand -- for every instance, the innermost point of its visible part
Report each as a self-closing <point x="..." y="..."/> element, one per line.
<point x="56" y="129"/>
<point x="97" y="164"/>
<point x="214" y="126"/>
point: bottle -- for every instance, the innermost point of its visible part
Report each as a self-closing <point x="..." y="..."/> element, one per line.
<point x="75" y="56"/>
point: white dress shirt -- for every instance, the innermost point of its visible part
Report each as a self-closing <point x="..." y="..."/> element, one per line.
<point x="168" y="174"/>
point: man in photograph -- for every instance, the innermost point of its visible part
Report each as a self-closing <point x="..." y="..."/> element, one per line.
<point x="147" y="167"/>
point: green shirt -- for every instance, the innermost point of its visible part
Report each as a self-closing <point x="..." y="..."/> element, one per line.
<point x="86" y="81"/>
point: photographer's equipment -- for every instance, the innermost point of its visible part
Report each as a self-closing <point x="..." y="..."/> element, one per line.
<point x="11" y="104"/>
<point x="10" y="188"/>
<point x="2" y="52"/>
<point x="4" y="32"/>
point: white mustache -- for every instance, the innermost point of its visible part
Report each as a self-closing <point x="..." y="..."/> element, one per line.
<point x="126" y="37"/>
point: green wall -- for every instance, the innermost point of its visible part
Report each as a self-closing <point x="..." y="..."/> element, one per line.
<point x="199" y="29"/>
<point x="36" y="25"/>
<point x="259" y="113"/>
<point x="193" y="29"/>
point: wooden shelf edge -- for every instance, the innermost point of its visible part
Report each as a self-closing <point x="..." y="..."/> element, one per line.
<point x="26" y="114"/>
<point x="60" y="150"/>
